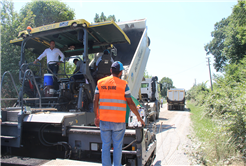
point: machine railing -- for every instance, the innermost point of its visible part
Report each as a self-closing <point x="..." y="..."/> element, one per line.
<point x="31" y="64"/>
<point x="64" y="69"/>
<point x="55" y="75"/>
<point x="8" y="72"/>
<point x="35" y="83"/>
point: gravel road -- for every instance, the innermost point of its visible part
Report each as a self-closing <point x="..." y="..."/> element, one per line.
<point x="173" y="126"/>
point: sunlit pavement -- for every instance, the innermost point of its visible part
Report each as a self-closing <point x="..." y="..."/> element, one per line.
<point x="172" y="129"/>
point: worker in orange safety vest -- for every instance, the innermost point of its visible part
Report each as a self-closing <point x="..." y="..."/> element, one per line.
<point x="113" y="94"/>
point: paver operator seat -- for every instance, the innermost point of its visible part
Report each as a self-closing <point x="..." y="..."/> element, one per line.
<point x="104" y="66"/>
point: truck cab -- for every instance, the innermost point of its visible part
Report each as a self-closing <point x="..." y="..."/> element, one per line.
<point x="150" y="97"/>
<point x="149" y="88"/>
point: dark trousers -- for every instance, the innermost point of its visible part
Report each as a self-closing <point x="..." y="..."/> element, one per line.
<point x="77" y="76"/>
<point x="54" y="68"/>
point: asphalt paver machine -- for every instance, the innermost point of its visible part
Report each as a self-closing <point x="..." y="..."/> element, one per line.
<point x="48" y="123"/>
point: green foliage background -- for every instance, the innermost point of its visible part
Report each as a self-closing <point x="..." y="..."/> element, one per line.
<point x="35" y="13"/>
<point x="167" y="84"/>
<point x="226" y="105"/>
<point x="229" y="38"/>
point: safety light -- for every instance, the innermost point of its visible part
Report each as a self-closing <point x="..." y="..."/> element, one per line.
<point x="29" y="29"/>
<point x="133" y="148"/>
<point x="74" y="24"/>
<point x="84" y="25"/>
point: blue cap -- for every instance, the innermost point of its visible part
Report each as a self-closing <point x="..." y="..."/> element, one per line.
<point x="117" y="66"/>
<point x="106" y="51"/>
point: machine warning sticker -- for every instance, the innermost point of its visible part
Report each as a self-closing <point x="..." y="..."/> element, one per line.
<point x="62" y="24"/>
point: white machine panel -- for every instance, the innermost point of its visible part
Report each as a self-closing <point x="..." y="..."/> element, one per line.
<point x="49" y="117"/>
<point x="137" y="66"/>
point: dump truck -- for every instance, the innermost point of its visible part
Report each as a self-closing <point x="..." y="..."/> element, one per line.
<point x="149" y="94"/>
<point x="46" y="123"/>
<point x="176" y="99"/>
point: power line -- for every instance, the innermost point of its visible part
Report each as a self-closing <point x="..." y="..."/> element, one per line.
<point x="188" y="69"/>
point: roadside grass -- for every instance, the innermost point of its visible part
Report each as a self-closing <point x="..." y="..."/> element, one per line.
<point x="214" y="147"/>
<point x="202" y="126"/>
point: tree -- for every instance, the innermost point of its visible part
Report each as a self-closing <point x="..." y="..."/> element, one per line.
<point x="167" y="84"/>
<point x="216" y="46"/>
<point x="146" y="74"/>
<point x="9" y="53"/>
<point x="229" y="38"/>
<point x="47" y="12"/>
<point x="9" y="24"/>
<point x="103" y="18"/>
<point x="36" y="13"/>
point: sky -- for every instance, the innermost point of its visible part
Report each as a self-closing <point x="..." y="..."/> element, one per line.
<point x="178" y="31"/>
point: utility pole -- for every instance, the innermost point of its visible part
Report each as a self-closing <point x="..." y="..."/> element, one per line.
<point x="211" y="84"/>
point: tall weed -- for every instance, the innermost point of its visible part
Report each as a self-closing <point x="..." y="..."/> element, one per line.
<point x="226" y="106"/>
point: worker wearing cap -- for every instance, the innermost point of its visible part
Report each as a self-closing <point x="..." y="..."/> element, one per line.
<point x="113" y="95"/>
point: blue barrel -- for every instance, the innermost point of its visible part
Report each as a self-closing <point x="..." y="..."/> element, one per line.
<point x="48" y="79"/>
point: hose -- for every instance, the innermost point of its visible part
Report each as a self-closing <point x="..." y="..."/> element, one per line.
<point x="129" y="144"/>
<point x="138" y="142"/>
<point x="67" y="147"/>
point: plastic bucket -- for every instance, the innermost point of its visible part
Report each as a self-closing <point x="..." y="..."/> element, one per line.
<point x="48" y="79"/>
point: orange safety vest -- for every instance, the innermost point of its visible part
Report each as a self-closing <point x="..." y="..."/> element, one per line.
<point x="112" y="99"/>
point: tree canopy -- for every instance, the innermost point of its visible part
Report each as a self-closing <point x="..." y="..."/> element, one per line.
<point x="103" y="18"/>
<point x="10" y="24"/>
<point x="47" y="12"/>
<point x="35" y="13"/>
<point x="167" y="83"/>
<point x="229" y="38"/>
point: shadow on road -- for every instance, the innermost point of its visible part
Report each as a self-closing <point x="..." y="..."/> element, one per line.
<point x="158" y="128"/>
<point x="185" y="110"/>
<point x="161" y="119"/>
<point x="163" y="127"/>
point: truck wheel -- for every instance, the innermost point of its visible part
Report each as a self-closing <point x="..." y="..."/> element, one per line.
<point x="153" y="117"/>
<point x="157" y="113"/>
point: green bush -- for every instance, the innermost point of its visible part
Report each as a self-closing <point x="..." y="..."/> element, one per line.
<point x="226" y="104"/>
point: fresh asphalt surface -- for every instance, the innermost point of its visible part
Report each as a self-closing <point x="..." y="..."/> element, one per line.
<point x="172" y="129"/>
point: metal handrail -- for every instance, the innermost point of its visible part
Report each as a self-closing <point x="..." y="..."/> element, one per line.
<point x="32" y="64"/>
<point x="52" y="71"/>
<point x="11" y="79"/>
<point x="63" y="67"/>
<point x="35" y="83"/>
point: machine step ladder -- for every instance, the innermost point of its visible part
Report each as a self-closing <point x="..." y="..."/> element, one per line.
<point x="11" y="127"/>
<point x="12" y="117"/>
